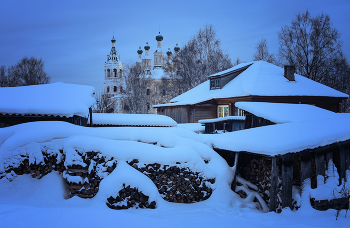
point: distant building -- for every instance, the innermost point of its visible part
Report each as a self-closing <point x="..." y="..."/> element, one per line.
<point x="159" y="86"/>
<point x="114" y="82"/>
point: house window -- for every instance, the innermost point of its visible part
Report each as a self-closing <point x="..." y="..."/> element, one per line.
<point x="107" y="89"/>
<point x="148" y="107"/>
<point x="108" y="72"/>
<point x="120" y="73"/>
<point x="223" y="111"/>
<point x="148" y="91"/>
<point x="121" y="89"/>
<point x="180" y="91"/>
<point x="215" y="83"/>
<point x="164" y="92"/>
<point x="115" y="89"/>
<point x="115" y="72"/>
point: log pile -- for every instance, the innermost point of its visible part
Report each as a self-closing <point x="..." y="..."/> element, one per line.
<point x="258" y="172"/>
<point x="130" y="197"/>
<point x="84" y="181"/>
<point x="175" y="184"/>
<point x="41" y="169"/>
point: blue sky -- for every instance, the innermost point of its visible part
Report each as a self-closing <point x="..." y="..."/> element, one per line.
<point x="73" y="37"/>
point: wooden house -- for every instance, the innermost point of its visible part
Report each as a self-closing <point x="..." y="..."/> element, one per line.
<point x="252" y="82"/>
<point x="47" y="102"/>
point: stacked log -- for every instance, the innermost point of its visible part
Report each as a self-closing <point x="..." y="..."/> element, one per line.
<point x="130" y="197"/>
<point x="175" y="184"/>
<point x="84" y="181"/>
<point x="41" y="169"/>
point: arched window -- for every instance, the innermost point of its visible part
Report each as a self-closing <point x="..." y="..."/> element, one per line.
<point x="115" y="89"/>
<point x="114" y="72"/>
<point x="107" y="89"/>
<point x="108" y="72"/>
<point x="120" y="73"/>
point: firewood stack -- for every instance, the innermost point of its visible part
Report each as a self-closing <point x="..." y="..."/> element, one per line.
<point x="175" y="184"/>
<point x="84" y="181"/>
<point x="130" y="197"/>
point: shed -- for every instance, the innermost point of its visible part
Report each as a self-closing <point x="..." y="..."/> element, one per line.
<point x="131" y="120"/>
<point x="294" y="153"/>
<point x="47" y="102"/>
<point x="224" y="124"/>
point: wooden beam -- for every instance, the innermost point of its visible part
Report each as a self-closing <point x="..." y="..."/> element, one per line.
<point x="342" y="172"/>
<point x="287" y="180"/>
<point x="305" y="167"/>
<point x="274" y="184"/>
<point x="233" y="185"/>
<point x="320" y="165"/>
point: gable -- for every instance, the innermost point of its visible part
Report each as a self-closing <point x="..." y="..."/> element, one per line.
<point x="218" y="81"/>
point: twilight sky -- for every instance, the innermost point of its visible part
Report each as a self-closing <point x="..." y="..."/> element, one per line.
<point x="73" y="37"/>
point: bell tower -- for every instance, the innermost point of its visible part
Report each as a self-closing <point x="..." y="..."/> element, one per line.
<point x="114" y="80"/>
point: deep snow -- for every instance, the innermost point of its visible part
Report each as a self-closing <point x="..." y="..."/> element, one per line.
<point x="29" y="202"/>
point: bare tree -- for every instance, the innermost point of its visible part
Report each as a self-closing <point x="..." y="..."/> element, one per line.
<point x="3" y="77"/>
<point x="201" y="57"/>
<point x="103" y="103"/>
<point x="136" y="99"/>
<point x="28" y="71"/>
<point x="262" y="52"/>
<point x="315" y="48"/>
<point x="310" y="43"/>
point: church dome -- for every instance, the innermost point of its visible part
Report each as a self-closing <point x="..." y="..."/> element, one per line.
<point x="169" y="52"/>
<point x="159" y="37"/>
<point x="139" y="51"/>
<point x="176" y="49"/>
<point x="147" y="47"/>
<point x="113" y="40"/>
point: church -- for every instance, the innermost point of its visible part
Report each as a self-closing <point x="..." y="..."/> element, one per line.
<point x="159" y="83"/>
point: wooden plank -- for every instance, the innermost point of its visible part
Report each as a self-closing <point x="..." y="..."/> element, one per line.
<point x="274" y="184"/>
<point x="320" y="165"/>
<point x="342" y="171"/>
<point x="287" y="180"/>
<point x="305" y="166"/>
<point x="328" y="157"/>
<point x="233" y="185"/>
<point x="347" y="158"/>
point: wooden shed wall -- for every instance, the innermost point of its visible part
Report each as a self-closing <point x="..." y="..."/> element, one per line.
<point x="201" y="113"/>
<point x="181" y="114"/>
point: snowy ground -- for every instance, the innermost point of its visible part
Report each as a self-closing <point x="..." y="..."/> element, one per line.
<point x="31" y="202"/>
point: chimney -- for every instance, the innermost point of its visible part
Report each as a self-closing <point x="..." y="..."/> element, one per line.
<point x="289" y="72"/>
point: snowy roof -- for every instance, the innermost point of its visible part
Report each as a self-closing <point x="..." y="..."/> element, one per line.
<point x="285" y="138"/>
<point x="285" y="113"/>
<point x="158" y="73"/>
<point x="121" y="119"/>
<point x="58" y="99"/>
<point x="242" y="118"/>
<point x="259" y="79"/>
